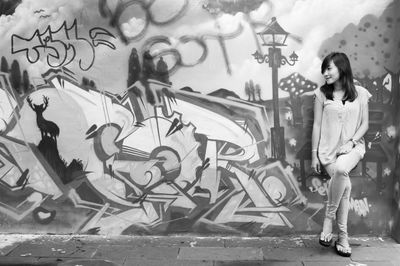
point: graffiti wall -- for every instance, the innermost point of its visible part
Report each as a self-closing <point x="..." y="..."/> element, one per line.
<point x="156" y="117"/>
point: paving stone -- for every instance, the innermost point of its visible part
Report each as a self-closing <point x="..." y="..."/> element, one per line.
<point x="51" y="260"/>
<point x="220" y="254"/>
<point x="8" y="242"/>
<point x="331" y="263"/>
<point x="312" y="241"/>
<point x="74" y="262"/>
<point x="154" y="253"/>
<point x="118" y="252"/>
<point x="114" y="253"/>
<point x="218" y="242"/>
<point x="258" y="263"/>
<point x="149" y="262"/>
<point x="373" y="242"/>
<point x="55" y="250"/>
<point x="150" y="241"/>
<point x="374" y="263"/>
<point x="352" y="263"/>
<point x="86" y="262"/>
<point x="7" y="248"/>
<point x="301" y="254"/>
<point x="255" y="242"/>
<point x="375" y="254"/>
<point x="49" y="239"/>
<point x="10" y="260"/>
<point x="188" y="242"/>
<point x="268" y="242"/>
<point x="96" y="240"/>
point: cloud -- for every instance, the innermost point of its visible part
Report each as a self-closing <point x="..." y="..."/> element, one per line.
<point x="36" y="70"/>
<point x="133" y="27"/>
<point x="228" y="23"/>
<point x="163" y="10"/>
<point x="262" y="12"/>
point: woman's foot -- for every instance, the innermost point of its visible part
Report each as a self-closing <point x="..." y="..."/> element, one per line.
<point x="325" y="239"/>
<point x="342" y="247"/>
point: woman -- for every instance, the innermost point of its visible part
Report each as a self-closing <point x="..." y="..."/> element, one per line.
<point x="340" y="122"/>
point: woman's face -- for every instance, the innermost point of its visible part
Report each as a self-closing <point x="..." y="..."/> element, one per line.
<point x="331" y="73"/>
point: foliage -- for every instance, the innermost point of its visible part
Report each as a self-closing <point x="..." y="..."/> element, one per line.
<point x="8" y="7"/>
<point x="25" y="81"/>
<point x="4" y="65"/>
<point x="252" y="91"/>
<point x="15" y="77"/>
<point x="372" y="45"/>
<point x="134" y="68"/>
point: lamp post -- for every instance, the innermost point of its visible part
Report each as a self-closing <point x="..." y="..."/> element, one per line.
<point x="275" y="36"/>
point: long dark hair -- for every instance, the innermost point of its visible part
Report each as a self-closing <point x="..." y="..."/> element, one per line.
<point x="342" y="62"/>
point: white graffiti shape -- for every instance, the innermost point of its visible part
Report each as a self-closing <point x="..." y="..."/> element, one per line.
<point x="91" y="101"/>
<point x="319" y="186"/>
<point x="218" y="127"/>
<point x="7" y="102"/>
<point x="180" y="153"/>
<point x="360" y="206"/>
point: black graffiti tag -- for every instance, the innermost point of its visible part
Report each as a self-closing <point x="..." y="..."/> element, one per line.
<point x="115" y="14"/>
<point x="61" y="46"/>
<point x="122" y="6"/>
<point x="198" y="40"/>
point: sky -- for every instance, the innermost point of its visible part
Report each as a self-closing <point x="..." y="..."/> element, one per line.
<point x="311" y="20"/>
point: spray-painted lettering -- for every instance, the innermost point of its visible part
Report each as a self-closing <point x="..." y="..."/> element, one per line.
<point x="115" y="21"/>
<point x="61" y="46"/>
<point x="360" y="206"/>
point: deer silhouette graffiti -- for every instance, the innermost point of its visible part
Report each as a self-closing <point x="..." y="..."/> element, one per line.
<point x="46" y="127"/>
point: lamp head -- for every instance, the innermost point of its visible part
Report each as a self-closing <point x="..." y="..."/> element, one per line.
<point x="273" y="34"/>
<point x="294" y="57"/>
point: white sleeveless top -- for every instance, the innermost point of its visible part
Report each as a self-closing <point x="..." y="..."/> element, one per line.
<point x="339" y="123"/>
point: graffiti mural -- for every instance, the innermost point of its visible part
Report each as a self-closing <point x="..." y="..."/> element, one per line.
<point x="165" y="117"/>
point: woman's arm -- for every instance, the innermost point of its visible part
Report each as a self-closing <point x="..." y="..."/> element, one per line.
<point x="347" y="147"/>
<point x="316" y="135"/>
<point x="364" y="124"/>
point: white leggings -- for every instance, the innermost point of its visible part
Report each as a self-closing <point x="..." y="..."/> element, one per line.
<point x="339" y="189"/>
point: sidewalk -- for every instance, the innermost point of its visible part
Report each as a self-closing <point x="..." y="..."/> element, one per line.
<point x="85" y="250"/>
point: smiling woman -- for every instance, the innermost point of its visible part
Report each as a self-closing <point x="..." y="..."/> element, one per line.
<point x="340" y="122"/>
<point x="331" y="73"/>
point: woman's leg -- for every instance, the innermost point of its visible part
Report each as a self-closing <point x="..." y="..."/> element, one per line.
<point x="342" y="213"/>
<point x="339" y="191"/>
<point x="327" y="225"/>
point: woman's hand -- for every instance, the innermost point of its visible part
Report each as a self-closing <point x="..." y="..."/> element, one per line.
<point x="315" y="164"/>
<point x="345" y="148"/>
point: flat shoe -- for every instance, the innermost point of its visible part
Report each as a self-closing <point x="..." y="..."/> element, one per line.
<point x="342" y="253"/>
<point x="325" y="240"/>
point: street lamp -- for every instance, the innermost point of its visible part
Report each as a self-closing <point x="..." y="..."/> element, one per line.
<point x="275" y="36"/>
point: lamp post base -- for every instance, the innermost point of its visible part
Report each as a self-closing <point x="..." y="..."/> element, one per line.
<point x="278" y="143"/>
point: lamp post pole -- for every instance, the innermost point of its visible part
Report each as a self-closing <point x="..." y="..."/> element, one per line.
<point x="277" y="132"/>
<point x="275" y="59"/>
